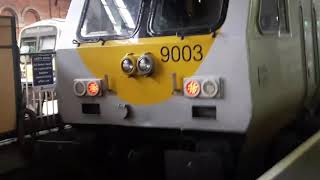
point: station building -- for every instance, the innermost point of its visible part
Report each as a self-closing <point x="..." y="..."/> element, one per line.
<point x="29" y="11"/>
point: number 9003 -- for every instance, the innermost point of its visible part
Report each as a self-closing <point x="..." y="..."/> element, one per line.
<point x="185" y="53"/>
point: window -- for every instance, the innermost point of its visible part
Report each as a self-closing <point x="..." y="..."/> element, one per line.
<point x="29" y="45"/>
<point x="47" y="43"/>
<point x="183" y="16"/>
<point x="273" y="17"/>
<point x="110" y="18"/>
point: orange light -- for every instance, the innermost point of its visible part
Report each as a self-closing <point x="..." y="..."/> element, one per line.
<point x="93" y="88"/>
<point x="192" y="88"/>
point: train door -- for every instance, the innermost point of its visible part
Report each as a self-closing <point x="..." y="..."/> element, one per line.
<point x="309" y="47"/>
<point x="10" y="87"/>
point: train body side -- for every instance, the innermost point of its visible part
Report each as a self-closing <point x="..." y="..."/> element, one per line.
<point x="279" y="84"/>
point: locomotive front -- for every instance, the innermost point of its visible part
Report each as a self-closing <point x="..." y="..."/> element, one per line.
<point x="163" y="73"/>
<point x="156" y="64"/>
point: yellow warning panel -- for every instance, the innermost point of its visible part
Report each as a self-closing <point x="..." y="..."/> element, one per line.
<point x="8" y="114"/>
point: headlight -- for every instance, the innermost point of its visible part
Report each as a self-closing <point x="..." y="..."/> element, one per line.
<point x="210" y="88"/>
<point x="79" y="88"/>
<point x="127" y="66"/>
<point x="88" y="87"/>
<point x="145" y="65"/>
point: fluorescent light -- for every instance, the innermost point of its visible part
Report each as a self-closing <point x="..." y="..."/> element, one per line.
<point x="121" y="4"/>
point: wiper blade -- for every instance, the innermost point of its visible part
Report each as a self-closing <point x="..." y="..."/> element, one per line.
<point x="78" y="43"/>
<point x="181" y="35"/>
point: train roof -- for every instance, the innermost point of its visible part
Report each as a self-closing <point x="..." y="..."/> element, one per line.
<point x="53" y="22"/>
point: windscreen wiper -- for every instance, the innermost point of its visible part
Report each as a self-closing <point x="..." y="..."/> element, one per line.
<point x="76" y="42"/>
<point x="181" y="35"/>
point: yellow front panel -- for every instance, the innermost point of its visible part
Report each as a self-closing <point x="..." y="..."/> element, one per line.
<point x="139" y="90"/>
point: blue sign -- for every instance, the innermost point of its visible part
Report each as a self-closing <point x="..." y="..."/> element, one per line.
<point x="42" y="70"/>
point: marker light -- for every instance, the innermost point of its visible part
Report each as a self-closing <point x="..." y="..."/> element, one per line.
<point x="210" y="88"/>
<point x="192" y="88"/>
<point x="79" y="88"/>
<point x="127" y="66"/>
<point x="145" y="65"/>
<point x="93" y="88"/>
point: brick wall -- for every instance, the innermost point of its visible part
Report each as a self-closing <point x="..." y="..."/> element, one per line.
<point x="30" y="11"/>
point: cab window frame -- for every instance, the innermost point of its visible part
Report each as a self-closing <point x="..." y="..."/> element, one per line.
<point x="284" y="16"/>
<point x="33" y="39"/>
<point x="97" y="38"/>
<point x="48" y="50"/>
<point x="191" y="31"/>
<point x="38" y="35"/>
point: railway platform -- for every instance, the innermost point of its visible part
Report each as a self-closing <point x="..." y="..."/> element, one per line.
<point x="302" y="163"/>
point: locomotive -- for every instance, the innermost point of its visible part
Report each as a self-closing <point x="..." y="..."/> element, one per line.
<point x="204" y="83"/>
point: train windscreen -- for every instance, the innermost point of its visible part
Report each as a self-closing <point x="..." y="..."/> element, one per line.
<point x="186" y="15"/>
<point x="47" y="43"/>
<point x="38" y="39"/>
<point x="28" y="45"/>
<point x="111" y="18"/>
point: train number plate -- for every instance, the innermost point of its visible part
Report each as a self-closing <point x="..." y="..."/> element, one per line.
<point x="185" y="53"/>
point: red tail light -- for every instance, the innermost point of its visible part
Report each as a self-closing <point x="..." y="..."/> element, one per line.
<point x="93" y="88"/>
<point x="192" y="88"/>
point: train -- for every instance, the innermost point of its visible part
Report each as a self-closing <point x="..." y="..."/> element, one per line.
<point x="200" y="87"/>
<point x="40" y="37"/>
